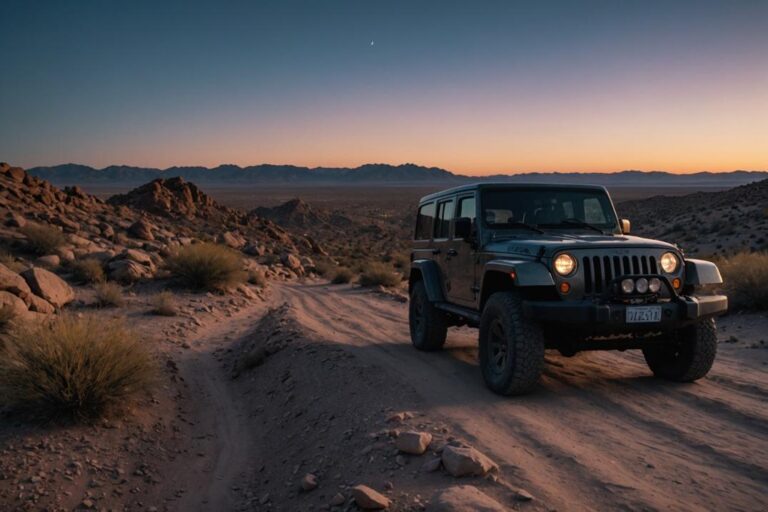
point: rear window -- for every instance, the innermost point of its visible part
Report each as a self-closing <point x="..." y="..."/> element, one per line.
<point x="424" y="221"/>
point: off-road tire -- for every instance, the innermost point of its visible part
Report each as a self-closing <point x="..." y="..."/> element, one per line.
<point x="688" y="355"/>
<point x="428" y="325"/>
<point x="503" y="328"/>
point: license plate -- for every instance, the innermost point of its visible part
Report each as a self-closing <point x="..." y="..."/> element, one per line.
<point x="643" y="315"/>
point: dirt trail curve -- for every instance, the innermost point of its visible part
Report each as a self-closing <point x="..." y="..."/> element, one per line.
<point x="599" y="434"/>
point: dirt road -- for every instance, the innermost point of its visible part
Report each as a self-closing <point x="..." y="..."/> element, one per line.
<point x="599" y="433"/>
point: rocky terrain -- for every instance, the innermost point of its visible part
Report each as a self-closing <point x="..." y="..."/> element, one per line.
<point x="290" y="393"/>
<point x="705" y="223"/>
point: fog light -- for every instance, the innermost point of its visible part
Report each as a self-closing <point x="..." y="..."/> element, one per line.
<point x="641" y="285"/>
<point x="565" y="288"/>
<point x="654" y="284"/>
<point x="627" y="286"/>
<point x="676" y="283"/>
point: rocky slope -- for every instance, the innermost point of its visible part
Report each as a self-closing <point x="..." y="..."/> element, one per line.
<point x="705" y="223"/>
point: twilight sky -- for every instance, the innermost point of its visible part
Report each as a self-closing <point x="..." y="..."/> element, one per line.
<point x="475" y="87"/>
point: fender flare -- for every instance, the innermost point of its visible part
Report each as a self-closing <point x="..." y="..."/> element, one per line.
<point x="430" y="275"/>
<point x="526" y="273"/>
<point x="701" y="272"/>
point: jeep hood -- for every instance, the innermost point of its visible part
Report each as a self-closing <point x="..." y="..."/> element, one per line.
<point x="529" y="244"/>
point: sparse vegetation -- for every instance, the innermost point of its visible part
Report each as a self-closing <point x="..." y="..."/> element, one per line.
<point x="257" y="278"/>
<point x="379" y="274"/>
<point x="109" y="294"/>
<point x="9" y="261"/>
<point x="72" y="368"/>
<point x="43" y="238"/>
<point x="343" y="275"/>
<point x="745" y="275"/>
<point x="7" y="316"/>
<point x="87" y="271"/>
<point x="207" y="266"/>
<point x="164" y="304"/>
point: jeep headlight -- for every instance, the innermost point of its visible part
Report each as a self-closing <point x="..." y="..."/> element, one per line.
<point x="669" y="262"/>
<point x="565" y="264"/>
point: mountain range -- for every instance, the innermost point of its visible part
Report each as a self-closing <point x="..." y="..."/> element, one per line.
<point x="77" y="174"/>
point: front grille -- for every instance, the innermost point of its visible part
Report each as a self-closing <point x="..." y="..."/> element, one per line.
<point x="599" y="271"/>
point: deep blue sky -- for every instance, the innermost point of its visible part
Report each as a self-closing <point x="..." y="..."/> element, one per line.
<point x="476" y="86"/>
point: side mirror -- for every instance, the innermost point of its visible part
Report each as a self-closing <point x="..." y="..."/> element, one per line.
<point x="625" y="226"/>
<point x="462" y="228"/>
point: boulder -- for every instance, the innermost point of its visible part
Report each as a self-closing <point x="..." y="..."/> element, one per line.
<point x="7" y="299"/>
<point x="12" y="282"/>
<point x="142" y="229"/>
<point x="462" y="461"/>
<point x="414" y="443"/>
<point x="291" y="261"/>
<point x="49" y="286"/>
<point x="50" y="261"/>
<point x="128" y="271"/>
<point x="17" y="174"/>
<point x="232" y="240"/>
<point x="16" y="221"/>
<point x="464" y="498"/>
<point x="368" y="499"/>
<point x="39" y="304"/>
<point x="254" y="249"/>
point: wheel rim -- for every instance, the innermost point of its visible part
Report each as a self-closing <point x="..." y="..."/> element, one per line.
<point x="497" y="347"/>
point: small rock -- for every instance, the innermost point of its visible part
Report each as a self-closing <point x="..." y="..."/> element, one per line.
<point x="309" y="482"/>
<point x="463" y="498"/>
<point x="414" y="443"/>
<point x="523" y="495"/>
<point x="462" y="461"/>
<point x="338" y="500"/>
<point x="368" y="499"/>
<point x="431" y="465"/>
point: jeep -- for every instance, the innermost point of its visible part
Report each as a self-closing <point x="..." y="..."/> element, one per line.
<point x="540" y="267"/>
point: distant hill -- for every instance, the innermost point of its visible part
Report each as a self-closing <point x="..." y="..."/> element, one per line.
<point x="76" y="174"/>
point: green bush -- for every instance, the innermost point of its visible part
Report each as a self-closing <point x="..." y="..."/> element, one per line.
<point x="109" y="294"/>
<point x="745" y="276"/>
<point x="207" y="266"/>
<point x="88" y="270"/>
<point x="72" y="368"/>
<point x="43" y="238"/>
<point x="379" y="274"/>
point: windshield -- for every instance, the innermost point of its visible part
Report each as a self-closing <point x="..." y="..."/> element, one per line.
<point x="548" y="208"/>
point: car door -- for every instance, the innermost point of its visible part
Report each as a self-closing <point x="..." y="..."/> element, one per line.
<point x="441" y="238"/>
<point x="459" y="257"/>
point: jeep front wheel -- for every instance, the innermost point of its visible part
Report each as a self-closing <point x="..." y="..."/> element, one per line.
<point x="511" y="347"/>
<point x="687" y="355"/>
<point x="428" y="324"/>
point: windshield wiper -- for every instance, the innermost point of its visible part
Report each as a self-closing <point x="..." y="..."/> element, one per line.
<point x="512" y="225"/>
<point x="574" y="222"/>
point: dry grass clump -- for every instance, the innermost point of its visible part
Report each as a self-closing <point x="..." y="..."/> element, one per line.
<point x="379" y="274"/>
<point x="7" y="316"/>
<point x="207" y="266"/>
<point x="88" y="270"/>
<point x="343" y="275"/>
<point x="43" y="238"/>
<point x="745" y="275"/>
<point x="72" y="368"/>
<point x="164" y="304"/>
<point x="9" y="261"/>
<point x="109" y="294"/>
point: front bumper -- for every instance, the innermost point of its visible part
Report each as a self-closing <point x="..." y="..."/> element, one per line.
<point x="608" y="318"/>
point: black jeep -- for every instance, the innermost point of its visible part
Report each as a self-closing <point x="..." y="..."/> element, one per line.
<point x="545" y="266"/>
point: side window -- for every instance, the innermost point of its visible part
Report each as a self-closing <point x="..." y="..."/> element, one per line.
<point x="467" y="208"/>
<point x="444" y="216"/>
<point x="424" y="221"/>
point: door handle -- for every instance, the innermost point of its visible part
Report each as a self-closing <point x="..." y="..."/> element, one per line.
<point x="452" y="252"/>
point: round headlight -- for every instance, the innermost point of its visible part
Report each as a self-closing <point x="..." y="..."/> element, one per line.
<point x="565" y="264"/>
<point x="669" y="262"/>
<point x="641" y="285"/>
<point x="627" y="286"/>
<point x="654" y="284"/>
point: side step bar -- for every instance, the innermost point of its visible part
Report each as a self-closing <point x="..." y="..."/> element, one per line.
<point x="472" y="317"/>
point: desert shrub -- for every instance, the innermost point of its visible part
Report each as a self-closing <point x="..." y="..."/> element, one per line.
<point x="745" y="275"/>
<point x="379" y="274"/>
<point x="87" y="271"/>
<point x="43" y="238"/>
<point x="109" y="294"/>
<point x="206" y="266"/>
<point x="164" y="304"/>
<point x="9" y="261"/>
<point x="72" y="368"/>
<point x="7" y="316"/>
<point x="343" y="275"/>
<point x="324" y="268"/>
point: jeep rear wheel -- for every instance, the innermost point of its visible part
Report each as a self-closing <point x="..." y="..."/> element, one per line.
<point x="511" y="347"/>
<point x="687" y="355"/>
<point x="428" y="324"/>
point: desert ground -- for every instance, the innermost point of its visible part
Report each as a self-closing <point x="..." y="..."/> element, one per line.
<point x="295" y="390"/>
